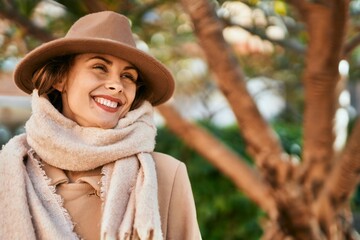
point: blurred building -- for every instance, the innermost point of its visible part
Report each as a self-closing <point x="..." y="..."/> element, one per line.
<point x="7" y="85"/>
<point x="15" y="108"/>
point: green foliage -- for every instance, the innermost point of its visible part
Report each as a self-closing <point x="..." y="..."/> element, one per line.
<point x="5" y="135"/>
<point x="25" y="7"/>
<point x="355" y="200"/>
<point x="223" y="211"/>
<point x="354" y="73"/>
<point x="290" y="136"/>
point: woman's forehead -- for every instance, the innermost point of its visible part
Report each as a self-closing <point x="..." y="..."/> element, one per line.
<point x="106" y="58"/>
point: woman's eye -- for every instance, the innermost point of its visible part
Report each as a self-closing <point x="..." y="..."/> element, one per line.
<point x="129" y="76"/>
<point x="100" y="67"/>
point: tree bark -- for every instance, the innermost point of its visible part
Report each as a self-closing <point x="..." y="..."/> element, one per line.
<point x="341" y="183"/>
<point x="326" y="24"/>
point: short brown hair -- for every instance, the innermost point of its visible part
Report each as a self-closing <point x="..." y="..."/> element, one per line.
<point x="56" y="70"/>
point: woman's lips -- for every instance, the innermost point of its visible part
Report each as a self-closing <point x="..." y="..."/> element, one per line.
<point x="107" y="103"/>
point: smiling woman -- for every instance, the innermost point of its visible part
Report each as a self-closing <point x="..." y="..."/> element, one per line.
<point x="105" y="97"/>
<point x="87" y="154"/>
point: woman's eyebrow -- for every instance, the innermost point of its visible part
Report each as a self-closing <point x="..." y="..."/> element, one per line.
<point x="101" y="58"/>
<point x="130" y="67"/>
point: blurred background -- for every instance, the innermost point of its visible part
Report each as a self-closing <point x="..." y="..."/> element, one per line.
<point x="269" y="41"/>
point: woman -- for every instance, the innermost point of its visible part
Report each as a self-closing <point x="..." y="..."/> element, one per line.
<point x="85" y="168"/>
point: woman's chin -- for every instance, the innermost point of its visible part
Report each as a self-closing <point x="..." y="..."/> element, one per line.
<point x="107" y="125"/>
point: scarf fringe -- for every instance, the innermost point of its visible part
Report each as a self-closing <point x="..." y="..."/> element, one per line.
<point x="57" y="197"/>
<point x="106" y="172"/>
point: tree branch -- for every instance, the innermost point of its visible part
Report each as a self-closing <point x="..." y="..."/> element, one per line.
<point x="228" y="162"/>
<point x="351" y="45"/>
<point x="342" y="181"/>
<point x="326" y="26"/>
<point x="13" y="15"/>
<point x="94" y="6"/>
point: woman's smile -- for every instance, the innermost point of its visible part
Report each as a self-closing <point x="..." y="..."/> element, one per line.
<point x="108" y="103"/>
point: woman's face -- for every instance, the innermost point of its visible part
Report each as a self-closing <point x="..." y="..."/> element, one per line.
<point x="98" y="91"/>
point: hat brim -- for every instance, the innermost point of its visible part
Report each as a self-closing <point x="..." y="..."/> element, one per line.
<point x="155" y="74"/>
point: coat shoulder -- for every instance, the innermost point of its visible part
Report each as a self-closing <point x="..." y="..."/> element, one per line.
<point x="170" y="172"/>
<point x="163" y="160"/>
<point x="166" y="165"/>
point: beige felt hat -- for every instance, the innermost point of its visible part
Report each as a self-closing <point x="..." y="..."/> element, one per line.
<point x="104" y="33"/>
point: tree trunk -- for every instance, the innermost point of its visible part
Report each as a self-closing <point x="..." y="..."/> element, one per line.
<point x="294" y="217"/>
<point x="262" y="142"/>
<point x="326" y="24"/>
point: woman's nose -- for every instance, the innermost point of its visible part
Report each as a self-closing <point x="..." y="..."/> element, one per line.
<point x="114" y="85"/>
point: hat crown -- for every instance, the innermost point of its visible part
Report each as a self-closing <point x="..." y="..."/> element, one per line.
<point x="103" y="25"/>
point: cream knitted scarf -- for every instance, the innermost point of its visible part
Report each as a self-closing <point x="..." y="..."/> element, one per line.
<point x="31" y="210"/>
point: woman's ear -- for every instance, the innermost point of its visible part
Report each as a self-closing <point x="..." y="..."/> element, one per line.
<point x="59" y="86"/>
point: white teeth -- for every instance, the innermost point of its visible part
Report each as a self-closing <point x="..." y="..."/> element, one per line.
<point x="106" y="102"/>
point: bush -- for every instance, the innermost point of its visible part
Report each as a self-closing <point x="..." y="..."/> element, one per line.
<point x="224" y="212"/>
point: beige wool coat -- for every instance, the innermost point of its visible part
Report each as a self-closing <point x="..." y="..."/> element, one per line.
<point x="177" y="208"/>
<point x="176" y="202"/>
